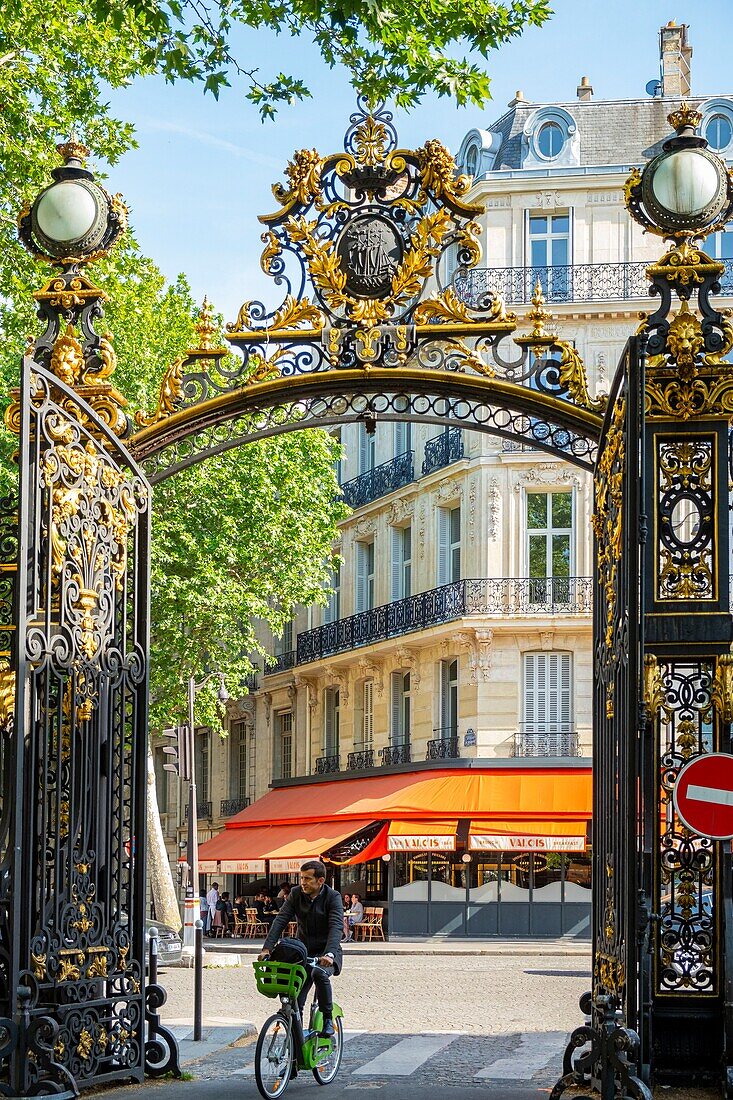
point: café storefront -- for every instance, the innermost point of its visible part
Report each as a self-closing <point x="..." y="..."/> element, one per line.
<point x="500" y="851"/>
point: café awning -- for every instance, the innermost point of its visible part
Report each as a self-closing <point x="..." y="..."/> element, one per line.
<point x="422" y="836"/>
<point x="280" y="841"/>
<point x="528" y="836"/>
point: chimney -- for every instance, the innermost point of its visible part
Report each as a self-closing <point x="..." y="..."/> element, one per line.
<point x="518" y="98"/>
<point x="675" y="55"/>
<point x="584" y="89"/>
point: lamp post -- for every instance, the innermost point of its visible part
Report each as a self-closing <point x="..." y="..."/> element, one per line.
<point x="191" y="904"/>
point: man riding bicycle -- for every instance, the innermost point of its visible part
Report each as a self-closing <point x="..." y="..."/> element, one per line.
<point x="319" y="912"/>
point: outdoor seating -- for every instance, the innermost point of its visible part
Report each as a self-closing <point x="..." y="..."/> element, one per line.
<point x="240" y="924"/>
<point x="371" y="927"/>
<point x="293" y="928"/>
<point x="253" y="926"/>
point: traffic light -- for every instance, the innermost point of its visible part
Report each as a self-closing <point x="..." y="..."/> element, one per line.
<point x="179" y="753"/>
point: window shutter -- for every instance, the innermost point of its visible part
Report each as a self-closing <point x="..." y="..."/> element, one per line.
<point x="362" y="563"/>
<point x="368" y="723"/>
<point x="443" y="546"/>
<point x="444" y="693"/>
<point x="530" y="690"/>
<point x="406" y="561"/>
<point x="364" y="449"/>
<point x="395" y="549"/>
<point x="455" y="539"/>
<point x="328" y="732"/>
<point x="395" y="727"/>
<point x="566" y="696"/>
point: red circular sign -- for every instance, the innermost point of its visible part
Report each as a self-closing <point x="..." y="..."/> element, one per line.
<point x="703" y="795"/>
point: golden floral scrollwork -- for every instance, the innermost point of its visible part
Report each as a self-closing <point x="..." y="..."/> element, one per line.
<point x="370" y="140"/>
<point x="608" y="522"/>
<point x="447" y="306"/>
<point x="103" y="1038"/>
<point x="171" y="391"/>
<point x="468" y="239"/>
<point x="7" y="696"/>
<point x="653" y="685"/>
<point x="439" y="179"/>
<point x="367" y="342"/>
<point x="85" y="1046"/>
<point x="59" y="1049"/>
<point x="39" y="966"/>
<point x="124" y="950"/>
<point x="70" y="966"/>
<point x="270" y="252"/>
<point x="205" y="327"/>
<point x="262" y="369"/>
<point x="687" y="545"/>
<point x="610" y="968"/>
<point x="64" y="295"/>
<point x="64" y="819"/>
<point x="723" y="687"/>
<point x="685" y="264"/>
<point x="572" y="375"/>
<point x="83" y="922"/>
<point x="304" y="177"/>
<point x="323" y="263"/>
<point x="97" y="967"/>
<point x="631" y="185"/>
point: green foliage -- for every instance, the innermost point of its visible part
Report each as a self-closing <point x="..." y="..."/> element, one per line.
<point x="57" y="54"/>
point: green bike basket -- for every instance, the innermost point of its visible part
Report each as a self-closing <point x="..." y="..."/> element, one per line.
<point x="276" y="979"/>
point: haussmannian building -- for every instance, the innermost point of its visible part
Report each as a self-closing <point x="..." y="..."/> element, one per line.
<point x="429" y="731"/>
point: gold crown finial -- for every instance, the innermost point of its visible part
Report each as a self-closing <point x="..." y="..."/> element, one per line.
<point x="72" y="149"/>
<point x="684" y="116"/>
<point x="205" y="326"/>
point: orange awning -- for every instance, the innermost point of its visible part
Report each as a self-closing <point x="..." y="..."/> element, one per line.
<point x="506" y="794"/>
<point x="422" y="836"/>
<point x="280" y="841"/>
<point x="526" y="836"/>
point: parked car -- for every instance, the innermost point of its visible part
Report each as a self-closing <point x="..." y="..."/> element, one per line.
<point x="170" y="944"/>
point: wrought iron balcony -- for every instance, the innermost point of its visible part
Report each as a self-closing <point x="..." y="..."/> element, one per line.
<point x="570" y="283"/>
<point x="327" y="764"/>
<point x="279" y="662"/>
<point x="362" y="758"/>
<point x="250" y="680"/>
<point x="203" y="810"/>
<point x="396" y="754"/>
<point x="501" y="596"/>
<point x="442" y="450"/>
<point x="444" y="747"/>
<point x="232" y="806"/>
<point x="382" y="479"/>
<point x="558" y="739"/>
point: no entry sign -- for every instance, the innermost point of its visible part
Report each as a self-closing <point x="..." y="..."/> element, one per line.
<point x="703" y="795"/>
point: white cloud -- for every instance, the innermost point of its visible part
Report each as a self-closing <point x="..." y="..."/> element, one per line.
<point x="205" y="138"/>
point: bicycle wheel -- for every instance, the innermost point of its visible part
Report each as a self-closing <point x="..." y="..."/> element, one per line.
<point x="326" y="1071"/>
<point x="273" y="1056"/>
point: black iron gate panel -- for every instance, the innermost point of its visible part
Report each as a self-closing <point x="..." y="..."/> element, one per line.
<point x="617" y="642"/>
<point x="72" y="957"/>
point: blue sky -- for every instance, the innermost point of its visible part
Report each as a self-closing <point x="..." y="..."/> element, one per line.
<point x="203" y="170"/>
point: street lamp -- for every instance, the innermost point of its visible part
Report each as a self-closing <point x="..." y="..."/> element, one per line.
<point x="191" y="903"/>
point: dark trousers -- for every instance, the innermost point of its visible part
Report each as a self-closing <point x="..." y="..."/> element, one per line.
<point x="319" y="978"/>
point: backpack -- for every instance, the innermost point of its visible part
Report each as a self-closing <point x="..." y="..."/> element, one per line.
<point x="288" y="950"/>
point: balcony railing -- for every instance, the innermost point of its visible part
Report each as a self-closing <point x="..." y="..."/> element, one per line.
<point x="444" y="747"/>
<point x="362" y="758"/>
<point x="500" y="596"/>
<point x="232" y="806"/>
<point x="203" y="810"/>
<point x="327" y="764"/>
<point x="558" y="739"/>
<point x="382" y="479"/>
<point x="396" y="754"/>
<point x="442" y="450"/>
<point x="250" y="680"/>
<point x="279" y="662"/>
<point x="571" y="283"/>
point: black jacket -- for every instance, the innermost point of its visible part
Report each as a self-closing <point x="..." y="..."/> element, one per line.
<point x="320" y="922"/>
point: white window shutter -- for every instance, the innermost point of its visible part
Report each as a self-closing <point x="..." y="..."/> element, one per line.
<point x="328" y="732"/>
<point x="395" y="550"/>
<point x="396" y="709"/>
<point x="566" y="696"/>
<point x="444" y="692"/>
<point x="443" y="546"/>
<point x="364" y="456"/>
<point x="530" y="691"/>
<point x="362" y="586"/>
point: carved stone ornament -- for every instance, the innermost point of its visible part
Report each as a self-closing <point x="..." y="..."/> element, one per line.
<point x="237" y="710"/>
<point x="408" y="658"/>
<point x="547" y="639"/>
<point x="479" y="644"/>
<point x="267" y="700"/>
<point x="472" y="509"/>
<point x="494" y="510"/>
<point x="448" y="491"/>
<point x="338" y="678"/>
<point x="372" y="670"/>
<point x="367" y="525"/>
<point x="311" y="686"/>
<point x="400" y="510"/>
<point x="547" y="473"/>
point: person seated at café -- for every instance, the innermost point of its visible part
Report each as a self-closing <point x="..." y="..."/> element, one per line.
<point x="283" y="894"/>
<point x="269" y="909"/>
<point x="354" y="916"/>
<point x="347" y="902"/>
<point x="240" y="908"/>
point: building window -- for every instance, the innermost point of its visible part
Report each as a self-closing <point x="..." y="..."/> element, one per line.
<point x="332" y="610"/>
<point x="719" y="132"/>
<point x="448" y="700"/>
<point x="720" y="247"/>
<point x="472" y="161"/>
<point x="550" y="140"/>
<point x="401" y="713"/>
<point x="549" y="546"/>
<point x="449" y="545"/>
<point x="364" y="716"/>
<point x="548" y="693"/>
<point x="367" y="449"/>
<point x="401" y="538"/>
<point x="549" y="250"/>
<point x="284" y="643"/>
<point x="202" y="769"/>
<point x="284" y="743"/>
<point x="364" y="576"/>
<point x="402" y="437"/>
<point x="240" y="763"/>
<point x="332" y="723"/>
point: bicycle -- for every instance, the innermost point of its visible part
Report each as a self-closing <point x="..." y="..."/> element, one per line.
<point x="283" y="1046"/>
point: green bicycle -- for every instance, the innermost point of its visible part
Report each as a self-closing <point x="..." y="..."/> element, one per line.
<point x="283" y="1046"/>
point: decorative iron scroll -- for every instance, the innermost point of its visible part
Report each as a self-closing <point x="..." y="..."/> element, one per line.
<point x="686" y="934"/>
<point x="72" y="930"/>
<point x="686" y="506"/>
<point x="361" y="245"/>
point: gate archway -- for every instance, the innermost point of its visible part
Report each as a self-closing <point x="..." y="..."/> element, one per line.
<point x="369" y="232"/>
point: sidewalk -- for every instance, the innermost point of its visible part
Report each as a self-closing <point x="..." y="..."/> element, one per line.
<point x="431" y="945"/>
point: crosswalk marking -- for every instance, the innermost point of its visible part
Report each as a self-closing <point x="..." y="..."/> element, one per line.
<point x="533" y="1053"/>
<point x="402" y="1059"/>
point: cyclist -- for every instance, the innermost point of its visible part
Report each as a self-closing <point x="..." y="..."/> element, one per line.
<point x="319" y="912"/>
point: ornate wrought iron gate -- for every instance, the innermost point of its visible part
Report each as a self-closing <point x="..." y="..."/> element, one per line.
<point x="74" y="563"/>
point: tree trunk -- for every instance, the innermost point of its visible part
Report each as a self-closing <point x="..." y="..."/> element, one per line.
<point x="158" y="865"/>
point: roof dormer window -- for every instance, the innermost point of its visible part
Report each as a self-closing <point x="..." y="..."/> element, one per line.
<point x="719" y="132"/>
<point x="550" y="140"/>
